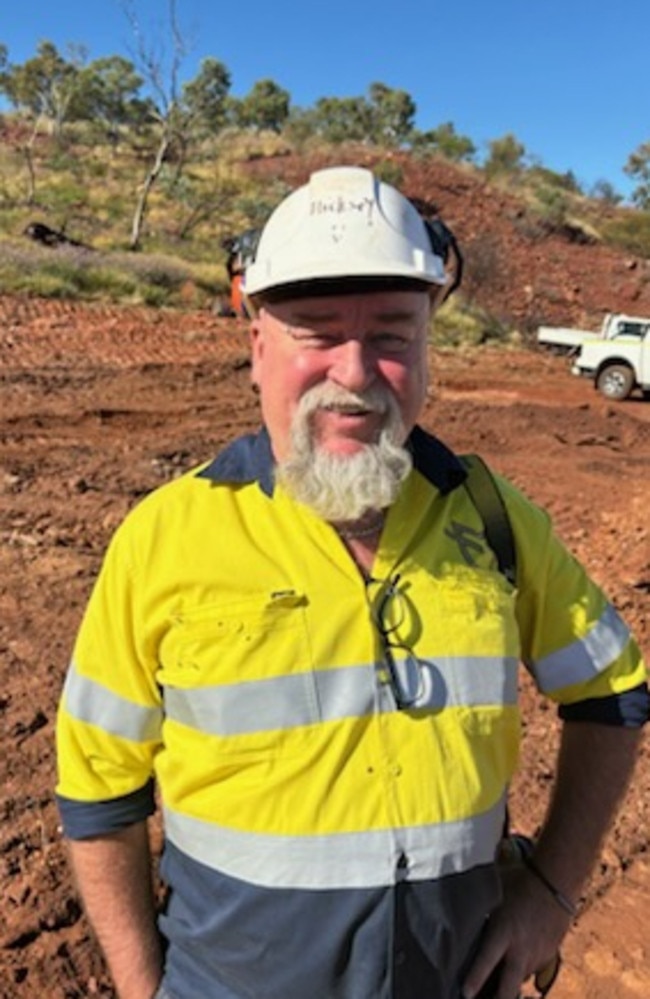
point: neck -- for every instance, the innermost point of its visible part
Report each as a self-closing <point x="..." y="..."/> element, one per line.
<point x="366" y="527"/>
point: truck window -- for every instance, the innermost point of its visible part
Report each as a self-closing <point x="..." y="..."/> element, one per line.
<point x="631" y="329"/>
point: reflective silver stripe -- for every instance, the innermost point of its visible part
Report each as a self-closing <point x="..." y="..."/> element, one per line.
<point x="340" y="860"/>
<point x="328" y="695"/>
<point x="586" y="657"/>
<point x="91" y="702"/>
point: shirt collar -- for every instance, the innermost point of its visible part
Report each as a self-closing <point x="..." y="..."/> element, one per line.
<point x="250" y="458"/>
<point x="246" y="459"/>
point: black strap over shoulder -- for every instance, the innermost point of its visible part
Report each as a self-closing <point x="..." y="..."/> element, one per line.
<point x="487" y="499"/>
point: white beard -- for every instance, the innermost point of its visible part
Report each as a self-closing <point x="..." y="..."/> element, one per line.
<point x="344" y="487"/>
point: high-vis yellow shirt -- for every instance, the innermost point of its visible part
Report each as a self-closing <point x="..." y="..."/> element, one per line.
<point x="321" y="840"/>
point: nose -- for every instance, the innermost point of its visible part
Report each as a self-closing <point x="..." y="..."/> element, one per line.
<point x="352" y="366"/>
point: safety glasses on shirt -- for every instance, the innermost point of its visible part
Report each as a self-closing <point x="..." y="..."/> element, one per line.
<point x="390" y="610"/>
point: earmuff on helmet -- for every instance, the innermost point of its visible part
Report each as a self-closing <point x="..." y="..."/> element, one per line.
<point x="445" y="245"/>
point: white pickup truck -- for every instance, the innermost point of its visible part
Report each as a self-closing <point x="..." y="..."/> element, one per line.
<point x="568" y="340"/>
<point x="617" y="365"/>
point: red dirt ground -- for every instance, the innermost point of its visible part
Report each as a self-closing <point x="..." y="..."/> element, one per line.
<point x="99" y="405"/>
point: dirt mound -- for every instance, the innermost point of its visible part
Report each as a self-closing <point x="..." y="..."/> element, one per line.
<point x="99" y="405"/>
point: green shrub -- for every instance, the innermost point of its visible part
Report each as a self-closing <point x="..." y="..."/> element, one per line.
<point x="77" y="273"/>
<point x="60" y="197"/>
<point x="630" y="233"/>
<point x="506" y="156"/>
<point x="390" y="172"/>
<point x="459" y="325"/>
<point x="155" y="297"/>
<point x="550" y="178"/>
<point x="552" y="206"/>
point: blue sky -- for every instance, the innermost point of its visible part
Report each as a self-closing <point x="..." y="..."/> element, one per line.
<point x="569" y="78"/>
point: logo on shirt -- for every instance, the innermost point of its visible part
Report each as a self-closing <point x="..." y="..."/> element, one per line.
<point x="471" y="543"/>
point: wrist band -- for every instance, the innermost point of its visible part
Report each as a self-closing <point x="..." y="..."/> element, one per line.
<point x="559" y="896"/>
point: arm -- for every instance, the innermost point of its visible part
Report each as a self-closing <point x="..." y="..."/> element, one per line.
<point x="113" y="873"/>
<point x="594" y="767"/>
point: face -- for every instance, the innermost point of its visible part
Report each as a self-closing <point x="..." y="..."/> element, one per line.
<point x="353" y="343"/>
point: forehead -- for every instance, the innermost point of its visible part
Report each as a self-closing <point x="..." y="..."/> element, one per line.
<point x="378" y="306"/>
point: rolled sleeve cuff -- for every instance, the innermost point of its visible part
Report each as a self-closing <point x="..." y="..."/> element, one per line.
<point x="85" y="819"/>
<point x="630" y="709"/>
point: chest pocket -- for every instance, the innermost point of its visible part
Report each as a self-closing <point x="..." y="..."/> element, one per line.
<point x="241" y="671"/>
<point x="475" y="614"/>
<point x="476" y="634"/>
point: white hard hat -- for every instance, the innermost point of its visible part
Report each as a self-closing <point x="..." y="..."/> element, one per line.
<point x="344" y="223"/>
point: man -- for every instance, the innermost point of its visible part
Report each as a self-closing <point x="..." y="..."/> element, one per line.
<point x="296" y="644"/>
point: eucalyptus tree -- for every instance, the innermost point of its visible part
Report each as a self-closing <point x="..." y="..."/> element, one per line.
<point x="444" y="139"/>
<point x="638" y="167"/>
<point x="266" y="107"/>
<point x="506" y="156"/>
<point x="391" y="115"/>
<point x="109" y="95"/>
<point x="43" y="87"/>
<point x="179" y="112"/>
<point x="42" y="91"/>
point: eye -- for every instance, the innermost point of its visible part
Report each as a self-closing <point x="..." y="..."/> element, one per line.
<point x="315" y="339"/>
<point x="390" y="342"/>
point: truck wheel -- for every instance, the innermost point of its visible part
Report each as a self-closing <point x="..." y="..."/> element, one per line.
<point x="615" y="381"/>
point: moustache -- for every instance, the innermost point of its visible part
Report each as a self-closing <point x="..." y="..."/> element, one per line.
<point x="333" y="397"/>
